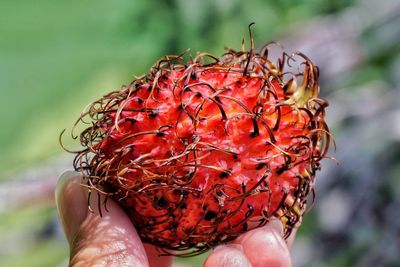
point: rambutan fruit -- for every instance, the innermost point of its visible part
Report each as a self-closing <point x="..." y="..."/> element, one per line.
<point x="202" y="149"/>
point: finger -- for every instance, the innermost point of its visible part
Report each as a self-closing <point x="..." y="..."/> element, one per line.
<point x="265" y="246"/>
<point x="153" y="255"/>
<point x="110" y="240"/>
<point x="227" y="256"/>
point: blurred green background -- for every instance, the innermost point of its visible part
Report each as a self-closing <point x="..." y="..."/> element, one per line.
<point x="55" y="57"/>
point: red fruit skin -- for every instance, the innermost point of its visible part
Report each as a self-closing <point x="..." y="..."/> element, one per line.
<point x="199" y="153"/>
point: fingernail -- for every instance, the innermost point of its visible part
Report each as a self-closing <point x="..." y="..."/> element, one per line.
<point x="234" y="246"/>
<point x="276" y="225"/>
<point x="71" y="201"/>
<point x="231" y="255"/>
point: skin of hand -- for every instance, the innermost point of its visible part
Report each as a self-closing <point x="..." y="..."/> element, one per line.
<point x="111" y="239"/>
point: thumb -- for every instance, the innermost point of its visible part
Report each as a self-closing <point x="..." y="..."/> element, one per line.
<point x="107" y="240"/>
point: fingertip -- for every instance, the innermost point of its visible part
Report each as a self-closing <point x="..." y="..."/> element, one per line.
<point x="63" y="181"/>
<point x="106" y="239"/>
<point x="265" y="246"/>
<point x="70" y="202"/>
<point x="230" y="255"/>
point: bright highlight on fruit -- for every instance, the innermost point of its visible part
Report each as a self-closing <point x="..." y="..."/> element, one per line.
<point x="202" y="149"/>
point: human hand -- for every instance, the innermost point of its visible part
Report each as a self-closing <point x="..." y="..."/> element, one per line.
<point x="111" y="240"/>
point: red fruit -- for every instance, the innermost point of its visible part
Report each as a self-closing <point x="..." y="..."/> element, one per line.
<point x="198" y="152"/>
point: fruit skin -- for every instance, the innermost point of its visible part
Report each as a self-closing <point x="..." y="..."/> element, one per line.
<point x="200" y="150"/>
